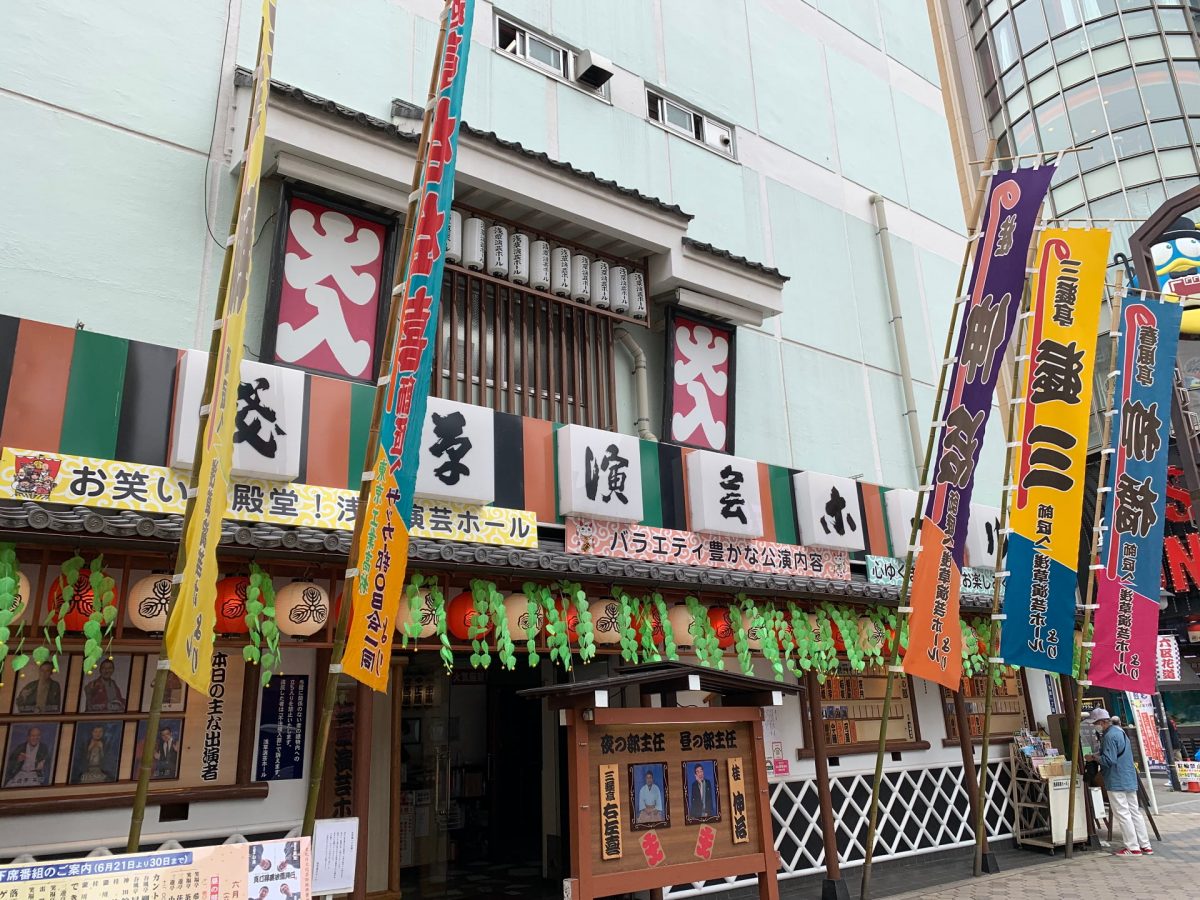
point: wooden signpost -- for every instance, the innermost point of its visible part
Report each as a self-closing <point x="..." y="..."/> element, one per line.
<point x="667" y="795"/>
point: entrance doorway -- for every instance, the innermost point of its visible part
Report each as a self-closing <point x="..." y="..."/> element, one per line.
<point x="471" y="820"/>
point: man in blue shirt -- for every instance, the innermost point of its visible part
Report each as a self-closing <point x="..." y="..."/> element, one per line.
<point x="1120" y="782"/>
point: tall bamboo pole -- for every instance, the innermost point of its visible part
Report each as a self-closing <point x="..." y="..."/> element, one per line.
<point x="1085" y="650"/>
<point x="894" y="666"/>
<point x="341" y="627"/>
<point x="237" y="249"/>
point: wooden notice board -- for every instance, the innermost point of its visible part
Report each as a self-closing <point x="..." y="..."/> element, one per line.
<point x="664" y="796"/>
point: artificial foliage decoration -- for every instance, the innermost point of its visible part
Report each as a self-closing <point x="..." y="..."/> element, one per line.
<point x="51" y="647"/>
<point x="533" y="616"/>
<point x="263" y="649"/>
<point x="660" y="609"/>
<point x="490" y="617"/>
<point x="410" y="628"/>
<point x="629" y="641"/>
<point x="98" y="630"/>
<point x="769" y="619"/>
<point x="843" y="622"/>
<point x="802" y="638"/>
<point x="9" y="588"/>
<point x="741" y="640"/>
<point x="1077" y="653"/>
<point x="574" y="595"/>
<point x="557" y="628"/>
<point x="705" y="644"/>
<point x="824" y="651"/>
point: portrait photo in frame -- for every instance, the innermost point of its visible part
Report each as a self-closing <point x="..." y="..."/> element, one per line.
<point x="701" y="793"/>
<point x="649" y="801"/>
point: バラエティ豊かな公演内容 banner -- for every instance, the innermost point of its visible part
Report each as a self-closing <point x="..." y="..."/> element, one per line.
<point x="1050" y="462"/>
<point x="986" y="325"/>
<point x="378" y="584"/>
<point x="1127" y="588"/>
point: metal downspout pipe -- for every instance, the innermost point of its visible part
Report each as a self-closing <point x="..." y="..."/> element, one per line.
<point x="906" y="380"/>
<point x="641" y="389"/>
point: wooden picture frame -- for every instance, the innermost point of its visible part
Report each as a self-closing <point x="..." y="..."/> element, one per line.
<point x="639" y="818"/>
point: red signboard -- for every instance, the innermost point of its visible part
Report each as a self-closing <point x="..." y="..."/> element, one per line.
<point x="700" y="372"/>
<point x="329" y="284"/>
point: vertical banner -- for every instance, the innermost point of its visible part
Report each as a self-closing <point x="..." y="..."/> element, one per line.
<point x="991" y="306"/>
<point x="383" y="546"/>
<point x="1049" y="465"/>
<point x="190" y="633"/>
<point x="1135" y="506"/>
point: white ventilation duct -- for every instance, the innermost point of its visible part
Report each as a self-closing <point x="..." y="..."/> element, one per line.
<point x="581" y="278"/>
<point x="539" y="265"/>
<point x="637" y="295"/>
<point x="618" y="288"/>
<point x="474" y="244"/>
<point x="600" y="297"/>
<point x="560" y="272"/>
<point x="454" y="242"/>
<point x="497" y="251"/>
<point x="518" y="258"/>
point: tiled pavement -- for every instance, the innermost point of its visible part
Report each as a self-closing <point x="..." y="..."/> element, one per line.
<point x="1172" y="872"/>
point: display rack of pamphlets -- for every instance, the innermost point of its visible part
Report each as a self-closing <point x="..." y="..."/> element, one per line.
<point x="1040" y="792"/>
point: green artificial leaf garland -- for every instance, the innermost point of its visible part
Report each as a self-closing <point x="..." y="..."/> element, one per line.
<point x="660" y="607"/>
<point x="9" y="583"/>
<point x="263" y="649"/>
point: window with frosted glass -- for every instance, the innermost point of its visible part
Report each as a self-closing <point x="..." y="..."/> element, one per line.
<point x="1133" y="141"/>
<point x="1031" y="25"/>
<point x="1121" y="99"/>
<point x="1094" y="9"/>
<point x="1052" y="125"/>
<point x="1086" y="111"/>
<point x="1170" y="134"/>
<point x="1140" y="23"/>
<point x="1104" y="31"/>
<point x="1157" y="90"/>
<point x="1006" y="43"/>
<point x="1061" y="15"/>
<point x="1024" y="136"/>
<point x="1188" y="79"/>
<point x="1098" y="152"/>
<point x="1039" y="60"/>
<point x="1114" y="56"/>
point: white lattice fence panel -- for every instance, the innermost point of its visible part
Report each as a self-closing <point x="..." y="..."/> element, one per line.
<point x="921" y="810"/>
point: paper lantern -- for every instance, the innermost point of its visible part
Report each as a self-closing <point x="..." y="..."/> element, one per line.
<point x="599" y="295"/>
<point x="454" y="241"/>
<point x="560" y="272"/>
<point x="518" y="258"/>
<point x="657" y="633"/>
<point x="721" y="620"/>
<point x="872" y="636"/>
<point x="497" y="251"/>
<point x="605" y="629"/>
<point x="148" y="602"/>
<point x="301" y="608"/>
<point x="539" y="266"/>
<point x="460" y="617"/>
<point x="474" y="243"/>
<point x="682" y="626"/>
<point x="618" y="288"/>
<point x="581" y="278"/>
<point x="567" y="612"/>
<point x="81" y="601"/>
<point x="20" y="600"/>
<point x="425" y="614"/>
<point x="637" y="295"/>
<point x="231" y="604"/>
<point x="516" y="611"/>
<point x="754" y="636"/>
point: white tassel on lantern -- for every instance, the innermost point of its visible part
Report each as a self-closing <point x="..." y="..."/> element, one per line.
<point x="148" y="602"/>
<point x="518" y="258"/>
<point x="424" y="615"/>
<point x="474" y="244"/>
<point x="560" y="272"/>
<point x="599" y="295"/>
<point x="20" y="600"/>
<point x="516" y="611"/>
<point x="604" y="621"/>
<point x="637" y="295"/>
<point x="581" y="278"/>
<point x="454" y="242"/>
<point x="618" y="288"/>
<point x="301" y="609"/>
<point x="497" y="251"/>
<point x="539" y="266"/>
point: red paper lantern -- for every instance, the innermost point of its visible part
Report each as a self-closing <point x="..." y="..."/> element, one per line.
<point x="81" y="601"/>
<point x="231" y="604"/>
<point x="657" y="633"/>
<point x="721" y="621"/>
<point x="460" y="617"/>
<point x="568" y="613"/>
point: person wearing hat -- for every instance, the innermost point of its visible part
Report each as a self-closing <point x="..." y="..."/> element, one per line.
<point x="1120" y="780"/>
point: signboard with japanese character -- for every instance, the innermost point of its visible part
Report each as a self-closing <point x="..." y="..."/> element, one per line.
<point x="1168" y="658"/>
<point x="275" y="869"/>
<point x="381" y="552"/>
<point x="457" y="453"/>
<point x="329" y="282"/>
<point x="473" y="524"/>
<point x="1050" y="464"/>
<point x="599" y="474"/>
<point x="890" y="571"/>
<point x="723" y="494"/>
<point x="268" y="425"/>
<point x="983" y="536"/>
<point x="828" y="511"/>
<point x="700" y="381"/>
<point x="593" y="537"/>
<point x="1127" y="587"/>
<point x="282" y="726"/>
<point x="989" y="313"/>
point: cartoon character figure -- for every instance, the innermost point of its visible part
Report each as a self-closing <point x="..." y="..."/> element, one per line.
<point x="34" y="477"/>
<point x="1176" y="258"/>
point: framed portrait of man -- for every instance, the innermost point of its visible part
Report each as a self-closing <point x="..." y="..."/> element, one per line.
<point x="106" y="688"/>
<point x="168" y="746"/>
<point x="649" y="802"/>
<point x="174" y="694"/>
<point x="701" y="797"/>
<point x="30" y="754"/>
<point x="41" y="691"/>
<point x="96" y="754"/>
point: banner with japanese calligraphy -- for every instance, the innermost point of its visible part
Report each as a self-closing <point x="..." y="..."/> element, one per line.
<point x="383" y="545"/>
<point x="989" y="313"/>
<point x="1127" y="586"/>
<point x="190" y="629"/>
<point x="278" y="869"/>
<point x="1050" y="463"/>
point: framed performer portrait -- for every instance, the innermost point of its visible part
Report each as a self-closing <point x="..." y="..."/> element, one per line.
<point x="701" y="794"/>
<point x="168" y="745"/>
<point x="649" y="803"/>
<point x="96" y="754"/>
<point x="41" y="690"/>
<point x="30" y="754"/>
<point x="106" y="688"/>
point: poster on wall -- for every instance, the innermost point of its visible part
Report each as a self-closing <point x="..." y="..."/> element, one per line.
<point x="700" y="362"/>
<point x="282" y="719"/>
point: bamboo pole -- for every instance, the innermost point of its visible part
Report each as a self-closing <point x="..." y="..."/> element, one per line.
<point x="906" y="584"/>
<point x="1094" y="555"/>
<point x="341" y="627"/>
<point x="240" y="230"/>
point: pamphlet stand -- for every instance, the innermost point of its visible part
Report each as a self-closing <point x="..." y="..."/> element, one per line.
<point x="1040" y="797"/>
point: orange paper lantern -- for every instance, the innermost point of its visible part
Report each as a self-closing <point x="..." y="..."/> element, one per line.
<point x="721" y="621"/>
<point x="460" y="617"/>
<point x="231" y="604"/>
<point x="568" y="613"/>
<point x="657" y="632"/>
<point x="81" y="601"/>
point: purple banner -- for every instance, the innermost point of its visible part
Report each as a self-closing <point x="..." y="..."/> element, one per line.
<point x="990" y="312"/>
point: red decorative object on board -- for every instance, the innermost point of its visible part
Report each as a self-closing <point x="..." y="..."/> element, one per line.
<point x="700" y="366"/>
<point x="568" y="612"/>
<point x="721" y="621"/>
<point x="460" y="617"/>
<point x="81" y="601"/>
<point x="231" y="604"/>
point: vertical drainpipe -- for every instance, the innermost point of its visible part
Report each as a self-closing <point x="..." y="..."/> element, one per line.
<point x="641" y="389"/>
<point x="889" y="271"/>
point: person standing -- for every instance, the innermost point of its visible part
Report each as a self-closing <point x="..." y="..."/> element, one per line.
<point x="1120" y="781"/>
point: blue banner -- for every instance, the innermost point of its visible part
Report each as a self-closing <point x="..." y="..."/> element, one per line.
<point x="282" y="719"/>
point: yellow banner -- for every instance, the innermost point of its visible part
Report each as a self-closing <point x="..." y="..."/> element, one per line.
<point x="1049" y="465"/>
<point x="473" y="524"/>
<point x="189" y="637"/>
